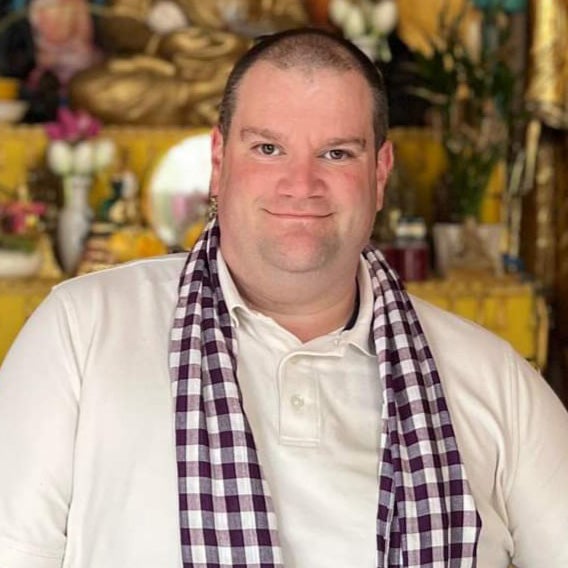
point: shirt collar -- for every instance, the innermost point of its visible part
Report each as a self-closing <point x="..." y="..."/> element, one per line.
<point x="233" y="299"/>
<point x="359" y="336"/>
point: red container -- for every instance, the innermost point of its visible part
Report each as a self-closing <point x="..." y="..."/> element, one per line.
<point x="409" y="257"/>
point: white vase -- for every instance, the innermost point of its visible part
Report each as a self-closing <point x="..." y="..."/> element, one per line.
<point x="74" y="221"/>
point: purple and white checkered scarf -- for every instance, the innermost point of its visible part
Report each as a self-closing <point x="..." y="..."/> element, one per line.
<point x="426" y="515"/>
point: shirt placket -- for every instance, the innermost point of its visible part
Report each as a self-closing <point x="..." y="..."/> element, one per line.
<point x="300" y="405"/>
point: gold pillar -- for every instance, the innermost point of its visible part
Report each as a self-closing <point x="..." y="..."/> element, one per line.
<point x="547" y="87"/>
<point x="547" y="97"/>
<point x="545" y="235"/>
<point x="561" y="280"/>
<point x="539" y="219"/>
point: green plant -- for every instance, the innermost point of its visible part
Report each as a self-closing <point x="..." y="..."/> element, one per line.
<point x="471" y="94"/>
<point x="19" y="221"/>
<point x="18" y="243"/>
<point x="469" y="171"/>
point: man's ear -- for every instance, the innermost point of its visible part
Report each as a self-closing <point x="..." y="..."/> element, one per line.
<point x="385" y="161"/>
<point x="216" y="160"/>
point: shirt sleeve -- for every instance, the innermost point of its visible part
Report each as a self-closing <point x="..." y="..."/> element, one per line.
<point x="538" y="497"/>
<point x="39" y="393"/>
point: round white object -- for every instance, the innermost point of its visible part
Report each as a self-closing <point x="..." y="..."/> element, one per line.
<point x="12" y="111"/>
<point x="16" y="264"/>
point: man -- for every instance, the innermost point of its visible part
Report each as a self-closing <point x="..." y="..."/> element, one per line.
<point x="319" y="417"/>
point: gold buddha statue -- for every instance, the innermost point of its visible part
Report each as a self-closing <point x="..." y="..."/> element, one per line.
<point x="171" y="58"/>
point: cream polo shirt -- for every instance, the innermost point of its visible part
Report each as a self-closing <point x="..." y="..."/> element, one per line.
<point x="88" y="475"/>
<point x="314" y="409"/>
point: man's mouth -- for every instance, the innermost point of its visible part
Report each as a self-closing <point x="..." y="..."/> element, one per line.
<point x="298" y="215"/>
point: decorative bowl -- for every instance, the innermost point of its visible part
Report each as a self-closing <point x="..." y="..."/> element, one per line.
<point x="12" y="111"/>
<point x="17" y="264"/>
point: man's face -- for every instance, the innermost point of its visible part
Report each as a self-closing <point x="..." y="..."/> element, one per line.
<point x="298" y="178"/>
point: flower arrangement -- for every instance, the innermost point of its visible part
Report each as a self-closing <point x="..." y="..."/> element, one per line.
<point x="470" y="86"/>
<point x="75" y="153"/>
<point x="20" y="224"/>
<point x="23" y="245"/>
<point x="74" y="147"/>
<point x="366" y="23"/>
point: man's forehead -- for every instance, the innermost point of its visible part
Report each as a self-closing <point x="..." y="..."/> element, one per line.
<point x="266" y="81"/>
<point x="272" y="96"/>
<point x="310" y="72"/>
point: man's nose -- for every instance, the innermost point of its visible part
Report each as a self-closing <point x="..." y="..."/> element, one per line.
<point x="302" y="178"/>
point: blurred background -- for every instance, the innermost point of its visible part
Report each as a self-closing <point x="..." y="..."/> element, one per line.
<point x="106" y="108"/>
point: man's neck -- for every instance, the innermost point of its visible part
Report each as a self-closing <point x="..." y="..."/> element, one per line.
<point x="308" y="306"/>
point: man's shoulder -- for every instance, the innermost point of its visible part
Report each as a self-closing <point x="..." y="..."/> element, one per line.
<point x="137" y="299"/>
<point x="479" y="371"/>
<point x="443" y="328"/>
<point x="128" y="278"/>
<point x="466" y="353"/>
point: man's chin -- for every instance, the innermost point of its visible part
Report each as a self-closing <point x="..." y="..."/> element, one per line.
<point x="298" y="257"/>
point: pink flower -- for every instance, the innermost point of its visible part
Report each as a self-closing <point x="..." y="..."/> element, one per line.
<point x="54" y="131"/>
<point x="88" y="126"/>
<point x="18" y="212"/>
<point x="72" y="126"/>
<point x="69" y="124"/>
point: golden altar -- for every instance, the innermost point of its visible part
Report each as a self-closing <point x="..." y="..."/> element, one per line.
<point x="509" y="308"/>
<point x="506" y="306"/>
<point x="23" y="146"/>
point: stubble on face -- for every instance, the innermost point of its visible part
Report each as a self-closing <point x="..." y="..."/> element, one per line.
<point x="300" y="247"/>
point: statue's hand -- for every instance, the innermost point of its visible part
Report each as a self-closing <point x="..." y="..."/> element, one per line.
<point x="141" y="63"/>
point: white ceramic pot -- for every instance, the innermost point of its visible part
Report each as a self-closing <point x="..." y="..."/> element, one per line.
<point x="16" y="264"/>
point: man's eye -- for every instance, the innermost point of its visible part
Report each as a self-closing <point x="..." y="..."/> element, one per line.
<point x="337" y="154"/>
<point x="268" y="149"/>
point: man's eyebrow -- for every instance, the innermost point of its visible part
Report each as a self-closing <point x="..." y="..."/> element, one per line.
<point x="262" y="132"/>
<point x="360" y="142"/>
<point x="268" y="134"/>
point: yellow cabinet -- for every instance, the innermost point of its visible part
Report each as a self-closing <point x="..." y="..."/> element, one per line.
<point x="509" y="308"/>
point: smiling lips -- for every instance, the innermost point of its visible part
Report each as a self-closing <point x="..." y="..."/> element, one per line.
<point x="297" y="215"/>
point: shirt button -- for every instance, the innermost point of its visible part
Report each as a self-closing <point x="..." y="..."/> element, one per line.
<point x="297" y="401"/>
